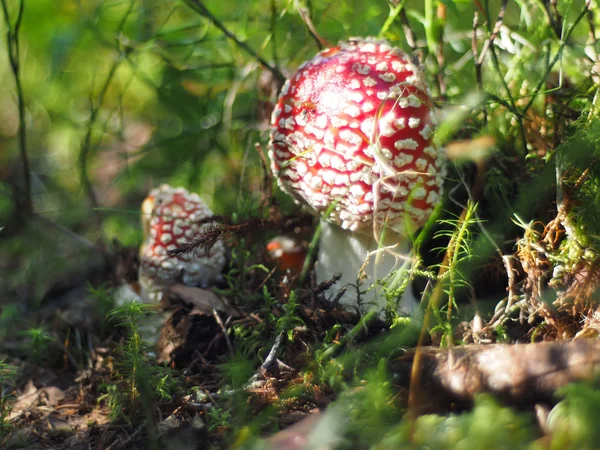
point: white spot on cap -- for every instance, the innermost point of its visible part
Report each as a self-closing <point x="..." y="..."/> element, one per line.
<point x="421" y="164"/>
<point x="367" y="47"/>
<point x="363" y="70"/>
<point x="337" y="163"/>
<point x="329" y="138"/>
<point x="167" y="264"/>
<point x="432" y="198"/>
<point x="367" y="127"/>
<point x="281" y="154"/>
<point x="337" y="122"/>
<point x="382" y="95"/>
<point x="286" y="108"/>
<point x="406" y="144"/>
<point x="382" y="66"/>
<point x="388" y="77"/>
<point x="355" y="97"/>
<point x="321" y="121"/>
<point x="342" y="179"/>
<point x="364" y="207"/>
<point x="419" y="214"/>
<point x="165" y="238"/>
<point x="430" y="151"/>
<point x="178" y="227"/>
<point x="328" y="176"/>
<point x="398" y="66"/>
<point x="316" y="182"/>
<point x="357" y="190"/>
<point x="354" y="84"/>
<point x="290" y="123"/>
<point x="342" y="149"/>
<point x="426" y="131"/>
<point x="324" y="159"/>
<point x="310" y="129"/>
<point x="403" y="159"/>
<point x="339" y="191"/>
<point x="301" y="168"/>
<point x="368" y="107"/>
<point x="400" y="123"/>
<point x="385" y="125"/>
<point x="414" y="101"/>
<point x="351" y="137"/>
<point x="355" y="176"/>
<point x="352" y="111"/>
<point x="369" y="82"/>
<point x="413" y="122"/>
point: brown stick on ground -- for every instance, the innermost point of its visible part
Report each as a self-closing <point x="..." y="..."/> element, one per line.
<point x="521" y="374"/>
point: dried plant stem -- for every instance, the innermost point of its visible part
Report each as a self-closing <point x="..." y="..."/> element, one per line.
<point x="441" y="61"/>
<point x="409" y="34"/>
<point x="305" y="15"/>
<point x="24" y="201"/>
<point x="200" y="8"/>
<point x="86" y="146"/>
<point x="87" y="142"/>
<point x="395" y="10"/>
<point x="478" y="74"/>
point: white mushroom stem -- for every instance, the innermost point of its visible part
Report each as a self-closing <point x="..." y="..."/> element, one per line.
<point x="345" y="252"/>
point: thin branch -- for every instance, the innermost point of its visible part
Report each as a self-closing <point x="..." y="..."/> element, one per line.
<point x="490" y="41"/>
<point x="274" y="32"/>
<point x="24" y="200"/>
<point x="563" y="44"/>
<point x="94" y="111"/>
<point x="489" y="45"/>
<point x="201" y="9"/>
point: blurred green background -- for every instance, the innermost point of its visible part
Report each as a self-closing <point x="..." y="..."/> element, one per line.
<point x="137" y="93"/>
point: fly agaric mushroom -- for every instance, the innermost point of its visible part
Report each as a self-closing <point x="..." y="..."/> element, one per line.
<point x="351" y="136"/>
<point x="171" y="218"/>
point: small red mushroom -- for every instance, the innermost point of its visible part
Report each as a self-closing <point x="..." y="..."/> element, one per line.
<point x="287" y="253"/>
<point x="351" y="136"/>
<point x="171" y="218"/>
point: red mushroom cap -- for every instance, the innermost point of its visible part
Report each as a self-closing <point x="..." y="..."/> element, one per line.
<point x="287" y="253"/>
<point x="170" y="218"/>
<point x="353" y="128"/>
